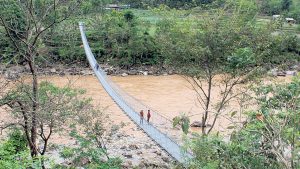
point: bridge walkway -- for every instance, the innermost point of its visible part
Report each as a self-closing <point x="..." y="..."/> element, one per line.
<point x="168" y="144"/>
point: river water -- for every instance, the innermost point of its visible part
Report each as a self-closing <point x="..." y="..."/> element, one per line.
<point x="169" y="95"/>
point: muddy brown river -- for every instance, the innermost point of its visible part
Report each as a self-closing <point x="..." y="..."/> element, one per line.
<point x="168" y="95"/>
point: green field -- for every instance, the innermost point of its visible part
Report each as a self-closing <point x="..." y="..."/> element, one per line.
<point x="153" y="18"/>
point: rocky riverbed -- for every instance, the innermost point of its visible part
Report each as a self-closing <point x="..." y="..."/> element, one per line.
<point x="15" y="71"/>
<point x="135" y="150"/>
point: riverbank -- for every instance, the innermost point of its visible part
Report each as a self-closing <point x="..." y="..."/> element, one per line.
<point x="15" y="71"/>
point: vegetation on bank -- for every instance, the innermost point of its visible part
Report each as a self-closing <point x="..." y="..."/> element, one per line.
<point x="59" y="109"/>
<point x="268" y="138"/>
<point x="236" y="50"/>
<point x="128" y="37"/>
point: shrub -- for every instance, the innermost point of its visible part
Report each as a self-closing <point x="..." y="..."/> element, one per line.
<point x="269" y="138"/>
<point x="14" y="152"/>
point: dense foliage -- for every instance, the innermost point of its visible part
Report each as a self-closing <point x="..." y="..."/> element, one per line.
<point x="118" y="38"/>
<point x="14" y="152"/>
<point x="130" y="37"/>
<point x="268" y="139"/>
<point x="126" y="40"/>
<point x="289" y="8"/>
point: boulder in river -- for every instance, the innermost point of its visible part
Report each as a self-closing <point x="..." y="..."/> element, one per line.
<point x="199" y="124"/>
<point x="53" y="70"/>
<point x="11" y="75"/>
<point x="124" y="74"/>
<point x="132" y="72"/>
<point x="86" y="72"/>
<point x="147" y="146"/>
<point x="158" y="152"/>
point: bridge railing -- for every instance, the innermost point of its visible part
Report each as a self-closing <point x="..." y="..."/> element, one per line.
<point x="161" y="127"/>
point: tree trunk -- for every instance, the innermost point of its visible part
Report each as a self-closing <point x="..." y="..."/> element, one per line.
<point x="204" y="118"/>
<point x="34" y="150"/>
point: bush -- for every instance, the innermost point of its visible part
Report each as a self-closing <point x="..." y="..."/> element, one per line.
<point x="87" y="149"/>
<point x="125" y="40"/>
<point x="269" y="139"/>
<point x="211" y="152"/>
<point x="14" y="152"/>
<point x="16" y="143"/>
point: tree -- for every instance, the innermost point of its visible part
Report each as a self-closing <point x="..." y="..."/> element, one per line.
<point x="280" y="125"/>
<point x="277" y="6"/>
<point x="25" y="23"/>
<point x="269" y="138"/>
<point x="222" y="50"/>
<point x="89" y="131"/>
<point x="183" y="121"/>
<point x="286" y="4"/>
<point x="57" y="106"/>
<point x="272" y="7"/>
<point x="125" y="40"/>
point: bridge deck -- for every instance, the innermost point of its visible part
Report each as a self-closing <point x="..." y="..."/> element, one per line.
<point x="160" y="138"/>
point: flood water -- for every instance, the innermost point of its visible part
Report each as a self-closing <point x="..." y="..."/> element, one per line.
<point x="169" y="95"/>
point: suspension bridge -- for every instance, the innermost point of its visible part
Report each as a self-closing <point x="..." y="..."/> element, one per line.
<point x="162" y="131"/>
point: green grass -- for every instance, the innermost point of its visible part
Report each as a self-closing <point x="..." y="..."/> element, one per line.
<point x="147" y="15"/>
<point x="154" y="17"/>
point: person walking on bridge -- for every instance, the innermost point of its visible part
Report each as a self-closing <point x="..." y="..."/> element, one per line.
<point x="97" y="66"/>
<point x="141" y="117"/>
<point x="148" y="116"/>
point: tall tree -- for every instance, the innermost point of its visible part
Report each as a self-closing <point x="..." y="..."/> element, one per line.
<point x="25" y="23"/>
<point x="222" y="50"/>
<point x="57" y="106"/>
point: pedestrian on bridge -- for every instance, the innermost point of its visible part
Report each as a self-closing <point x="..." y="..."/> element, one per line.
<point x="148" y="116"/>
<point x="141" y="117"/>
<point x="97" y="66"/>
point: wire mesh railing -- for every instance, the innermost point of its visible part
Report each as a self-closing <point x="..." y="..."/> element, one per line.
<point x="160" y="129"/>
<point x="164" y="124"/>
